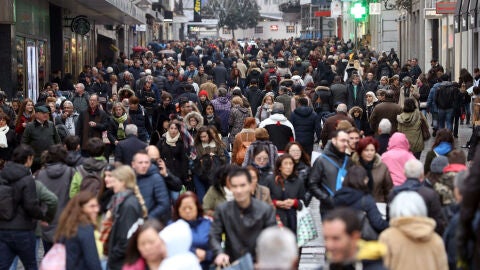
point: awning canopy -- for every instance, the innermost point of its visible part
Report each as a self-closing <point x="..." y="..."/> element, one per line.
<point x="105" y="11"/>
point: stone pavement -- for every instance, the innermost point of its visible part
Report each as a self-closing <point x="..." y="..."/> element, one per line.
<point x="313" y="254"/>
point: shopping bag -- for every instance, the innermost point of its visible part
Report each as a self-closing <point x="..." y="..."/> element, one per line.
<point x="306" y="229"/>
<point x="55" y="259"/>
<point x="243" y="263"/>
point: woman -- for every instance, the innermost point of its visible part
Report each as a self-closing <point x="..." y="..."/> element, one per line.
<point x="286" y="190"/>
<point x="106" y="193"/>
<point x="146" y="250"/>
<point x="76" y="230"/>
<point x="171" y="145"/>
<point x="8" y="139"/>
<point x="209" y="148"/>
<point x="219" y="192"/>
<point x="264" y="110"/>
<point x="383" y="83"/>
<point x="424" y="90"/>
<point x="262" y="139"/>
<point x="355" y="194"/>
<point x="127" y="206"/>
<point x="372" y="101"/>
<point x="409" y="122"/>
<point x="412" y="235"/>
<point x="302" y="165"/>
<point x="121" y="119"/>
<point x="235" y="79"/>
<point x="379" y="179"/>
<point x="237" y="117"/>
<point x="395" y="87"/>
<point x="243" y="139"/>
<point x="261" y="161"/>
<point x="24" y="116"/>
<point x="259" y="192"/>
<point x="210" y="118"/>
<point x="188" y="208"/>
<point x="442" y="146"/>
<point x="193" y="121"/>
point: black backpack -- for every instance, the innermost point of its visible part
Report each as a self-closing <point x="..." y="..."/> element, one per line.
<point x="7" y="201"/>
<point x="205" y="166"/>
<point x="445" y="96"/>
<point x="385" y="71"/>
<point x="91" y="181"/>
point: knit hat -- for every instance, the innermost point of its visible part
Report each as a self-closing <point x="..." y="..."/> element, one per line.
<point x="203" y="93"/>
<point x="438" y="164"/>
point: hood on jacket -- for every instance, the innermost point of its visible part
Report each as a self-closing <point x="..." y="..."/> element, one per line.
<point x="73" y="158"/>
<point x="419" y="229"/>
<point x="242" y="109"/>
<point x="303" y="111"/>
<point x="178" y="239"/>
<point x="55" y="170"/>
<point x="223" y="100"/>
<point x="377" y="160"/>
<point x="408" y="119"/>
<point x="255" y="71"/>
<point x="195" y="115"/>
<point x="322" y="88"/>
<point x="454" y="168"/>
<point x="353" y="109"/>
<point x="278" y="117"/>
<point x="347" y="196"/>
<point x="94" y="164"/>
<point x="398" y="141"/>
<point x="12" y="172"/>
<point x="371" y="250"/>
<point x="443" y="148"/>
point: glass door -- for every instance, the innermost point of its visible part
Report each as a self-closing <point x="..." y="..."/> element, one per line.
<point x="32" y="70"/>
<point x="20" y="50"/>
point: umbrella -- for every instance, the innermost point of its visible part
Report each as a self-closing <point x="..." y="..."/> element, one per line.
<point x="167" y="51"/>
<point x="138" y="49"/>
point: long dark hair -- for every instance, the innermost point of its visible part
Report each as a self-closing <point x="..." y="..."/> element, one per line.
<point x="305" y="158"/>
<point x="278" y="164"/>
<point x="355" y="178"/>
<point x="132" y="252"/>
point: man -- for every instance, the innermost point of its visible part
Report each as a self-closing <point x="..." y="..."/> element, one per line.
<point x="172" y="85"/>
<point x="125" y="149"/>
<point x="210" y="87"/>
<point x="306" y="124"/>
<point x="408" y="91"/>
<point x="328" y="171"/>
<point x="220" y="74"/>
<point x="80" y="99"/>
<point x="353" y="138"/>
<point x="243" y="72"/>
<point x="17" y="235"/>
<point x="415" y="178"/>
<point x="339" y="91"/>
<point x="342" y="231"/>
<point x="222" y="107"/>
<point x="415" y="70"/>
<point x="240" y="221"/>
<point x="201" y="76"/>
<point x="68" y="119"/>
<point x="276" y="249"/>
<point x="74" y="157"/>
<point x="173" y="183"/>
<point x="371" y="84"/>
<point x="191" y="71"/>
<point x="91" y="122"/>
<point x="356" y="93"/>
<point x="281" y="130"/>
<point x="383" y="137"/>
<point x="136" y="70"/>
<point x="388" y="109"/>
<point x="431" y="101"/>
<point x="152" y="187"/>
<point x="330" y="125"/>
<point x="254" y="96"/>
<point x="40" y="134"/>
<point x="445" y="102"/>
<point x="139" y="117"/>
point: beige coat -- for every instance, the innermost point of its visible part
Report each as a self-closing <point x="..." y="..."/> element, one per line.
<point x="413" y="244"/>
<point x="414" y="93"/>
<point x="382" y="181"/>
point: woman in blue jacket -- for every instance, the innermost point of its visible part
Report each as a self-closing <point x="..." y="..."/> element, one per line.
<point x="355" y="194"/>
<point x="188" y="208"/>
<point x="76" y="229"/>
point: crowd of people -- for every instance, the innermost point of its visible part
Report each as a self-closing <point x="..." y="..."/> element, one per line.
<point x="204" y="157"/>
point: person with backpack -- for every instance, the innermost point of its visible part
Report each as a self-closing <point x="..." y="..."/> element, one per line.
<point x="89" y="175"/>
<point x="19" y="210"/>
<point x="444" y="99"/>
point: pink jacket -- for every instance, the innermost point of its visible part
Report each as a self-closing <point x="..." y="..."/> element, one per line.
<point x="138" y="265"/>
<point x="396" y="156"/>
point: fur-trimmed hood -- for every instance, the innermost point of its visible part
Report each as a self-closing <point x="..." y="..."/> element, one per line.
<point x="196" y="115"/>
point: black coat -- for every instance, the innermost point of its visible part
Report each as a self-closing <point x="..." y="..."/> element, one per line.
<point x="306" y="124"/>
<point x="356" y="100"/>
<point x="139" y="117"/>
<point x="126" y="149"/>
<point x="175" y="157"/>
<point x="6" y="153"/>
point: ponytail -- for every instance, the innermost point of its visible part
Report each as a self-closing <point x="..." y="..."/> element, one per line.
<point x="140" y="199"/>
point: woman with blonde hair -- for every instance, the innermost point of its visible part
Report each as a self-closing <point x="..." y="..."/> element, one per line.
<point x="264" y="110"/>
<point x="126" y="207"/>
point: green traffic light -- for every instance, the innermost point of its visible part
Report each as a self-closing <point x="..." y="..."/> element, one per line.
<point x="358" y="11"/>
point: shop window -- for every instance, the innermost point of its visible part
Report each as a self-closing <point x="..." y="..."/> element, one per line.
<point x="42" y="63"/>
<point x="20" y="48"/>
<point x="258" y="29"/>
<point x="67" y="60"/>
<point x="290" y="28"/>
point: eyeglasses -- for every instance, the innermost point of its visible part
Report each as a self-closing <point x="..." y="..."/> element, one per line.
<point x="261" y="158"/>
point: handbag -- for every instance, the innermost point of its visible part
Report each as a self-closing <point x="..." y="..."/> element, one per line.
<point x="425" y="129"/>
<point x="306" y="230"/>
<point x="55" y="259"/>
<point x="243" y="263"/>
<point x="107" y="224"/>
<point x="367" y="232"/>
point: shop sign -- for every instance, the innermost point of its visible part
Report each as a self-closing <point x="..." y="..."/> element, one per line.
<point x="431" y="13"/>
<point x="80" y="25"/>
<point x="273" y="27"/>
<point x="446" y="7"/>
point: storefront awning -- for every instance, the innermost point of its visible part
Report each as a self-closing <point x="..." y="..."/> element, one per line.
<point x="105" y="11"/>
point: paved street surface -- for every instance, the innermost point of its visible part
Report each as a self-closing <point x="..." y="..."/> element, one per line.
<point x="313" y="255"/>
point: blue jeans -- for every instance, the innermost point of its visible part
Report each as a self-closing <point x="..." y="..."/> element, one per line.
<point x="445" y="116"/>
<point x="200" y="187"/>
<point x="15" y="261"/>
<point x="21" y="243"/>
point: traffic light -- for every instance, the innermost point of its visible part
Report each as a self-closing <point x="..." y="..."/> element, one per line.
<point x="359" y="11"/>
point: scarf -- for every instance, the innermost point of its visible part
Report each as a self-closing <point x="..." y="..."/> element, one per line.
<point x="121" y="129"/>
<point x="210" y="119"/>
<point x="171" y="141"/>
<point x="210" y="144"/>
<point x="228" y="194"/>
<point x="117" y="200"/>
<point x="368" y="166"/>
<point x="3" y="137"/>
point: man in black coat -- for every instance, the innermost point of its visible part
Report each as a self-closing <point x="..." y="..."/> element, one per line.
<point x="306" y="124"/>
<point x="254" y="96"/>
<point x="126" y="149"/>
<point x="356" y="93"/>
<point x="220" y="74"/>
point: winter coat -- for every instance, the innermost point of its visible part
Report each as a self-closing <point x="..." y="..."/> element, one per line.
<point x="82" y="251"/>
<point x="155" y="193"/>
<point x="175" y="157"/>
<point x="236" y="120"/>
<point x="358" y="99"/>
<point x="139" y="118"/>
<point x="129" y="211"/>
<point x="162" y="114"/>
<point x="431" y="198"/>
<point x="286" y="100"/>
<point x="442" y="149"/>
<point x="222" y="108"/>
<point x="220" y="75"/>
<point x="293" y="188"/>
<point x="382" y="143"/>
<point x="200" y="230"/>
<point x="339" y="93"/>
<point x="330" y="126"/>
<point x="90" y="166"/>
<point x="213" y="198"/>
<point x="397" y="155"/>
<point x="409" y="124"/>
<point x="281" y="131"/>
<point x="263" y="112"/>
<point x="411" y="242"/>
<point x="56" y="177"/>
<point x="361" y="201"/>
<point x="382" y="181"/>
<point x="306" y="124"/>
<point x="406" y="93"/>
<point x="388" y="110"/>
<point x="6" y="153"/>
<point x="325" y="99"/>
<point x="126" y="149"/>
<point x="240" y="226"/>
<point x="255" y="97"/>
<point x="85" y="131"/>
<point x="40" y="137"/>
<point x="186" y="121"/>
<point x="27" y="207"/>
<point x="323" y="173"/>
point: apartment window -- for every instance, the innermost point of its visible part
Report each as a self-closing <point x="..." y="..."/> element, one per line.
<point x="290" y="28"/>
<point x="226" y="31"/>
<point x="258" y="29"/>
